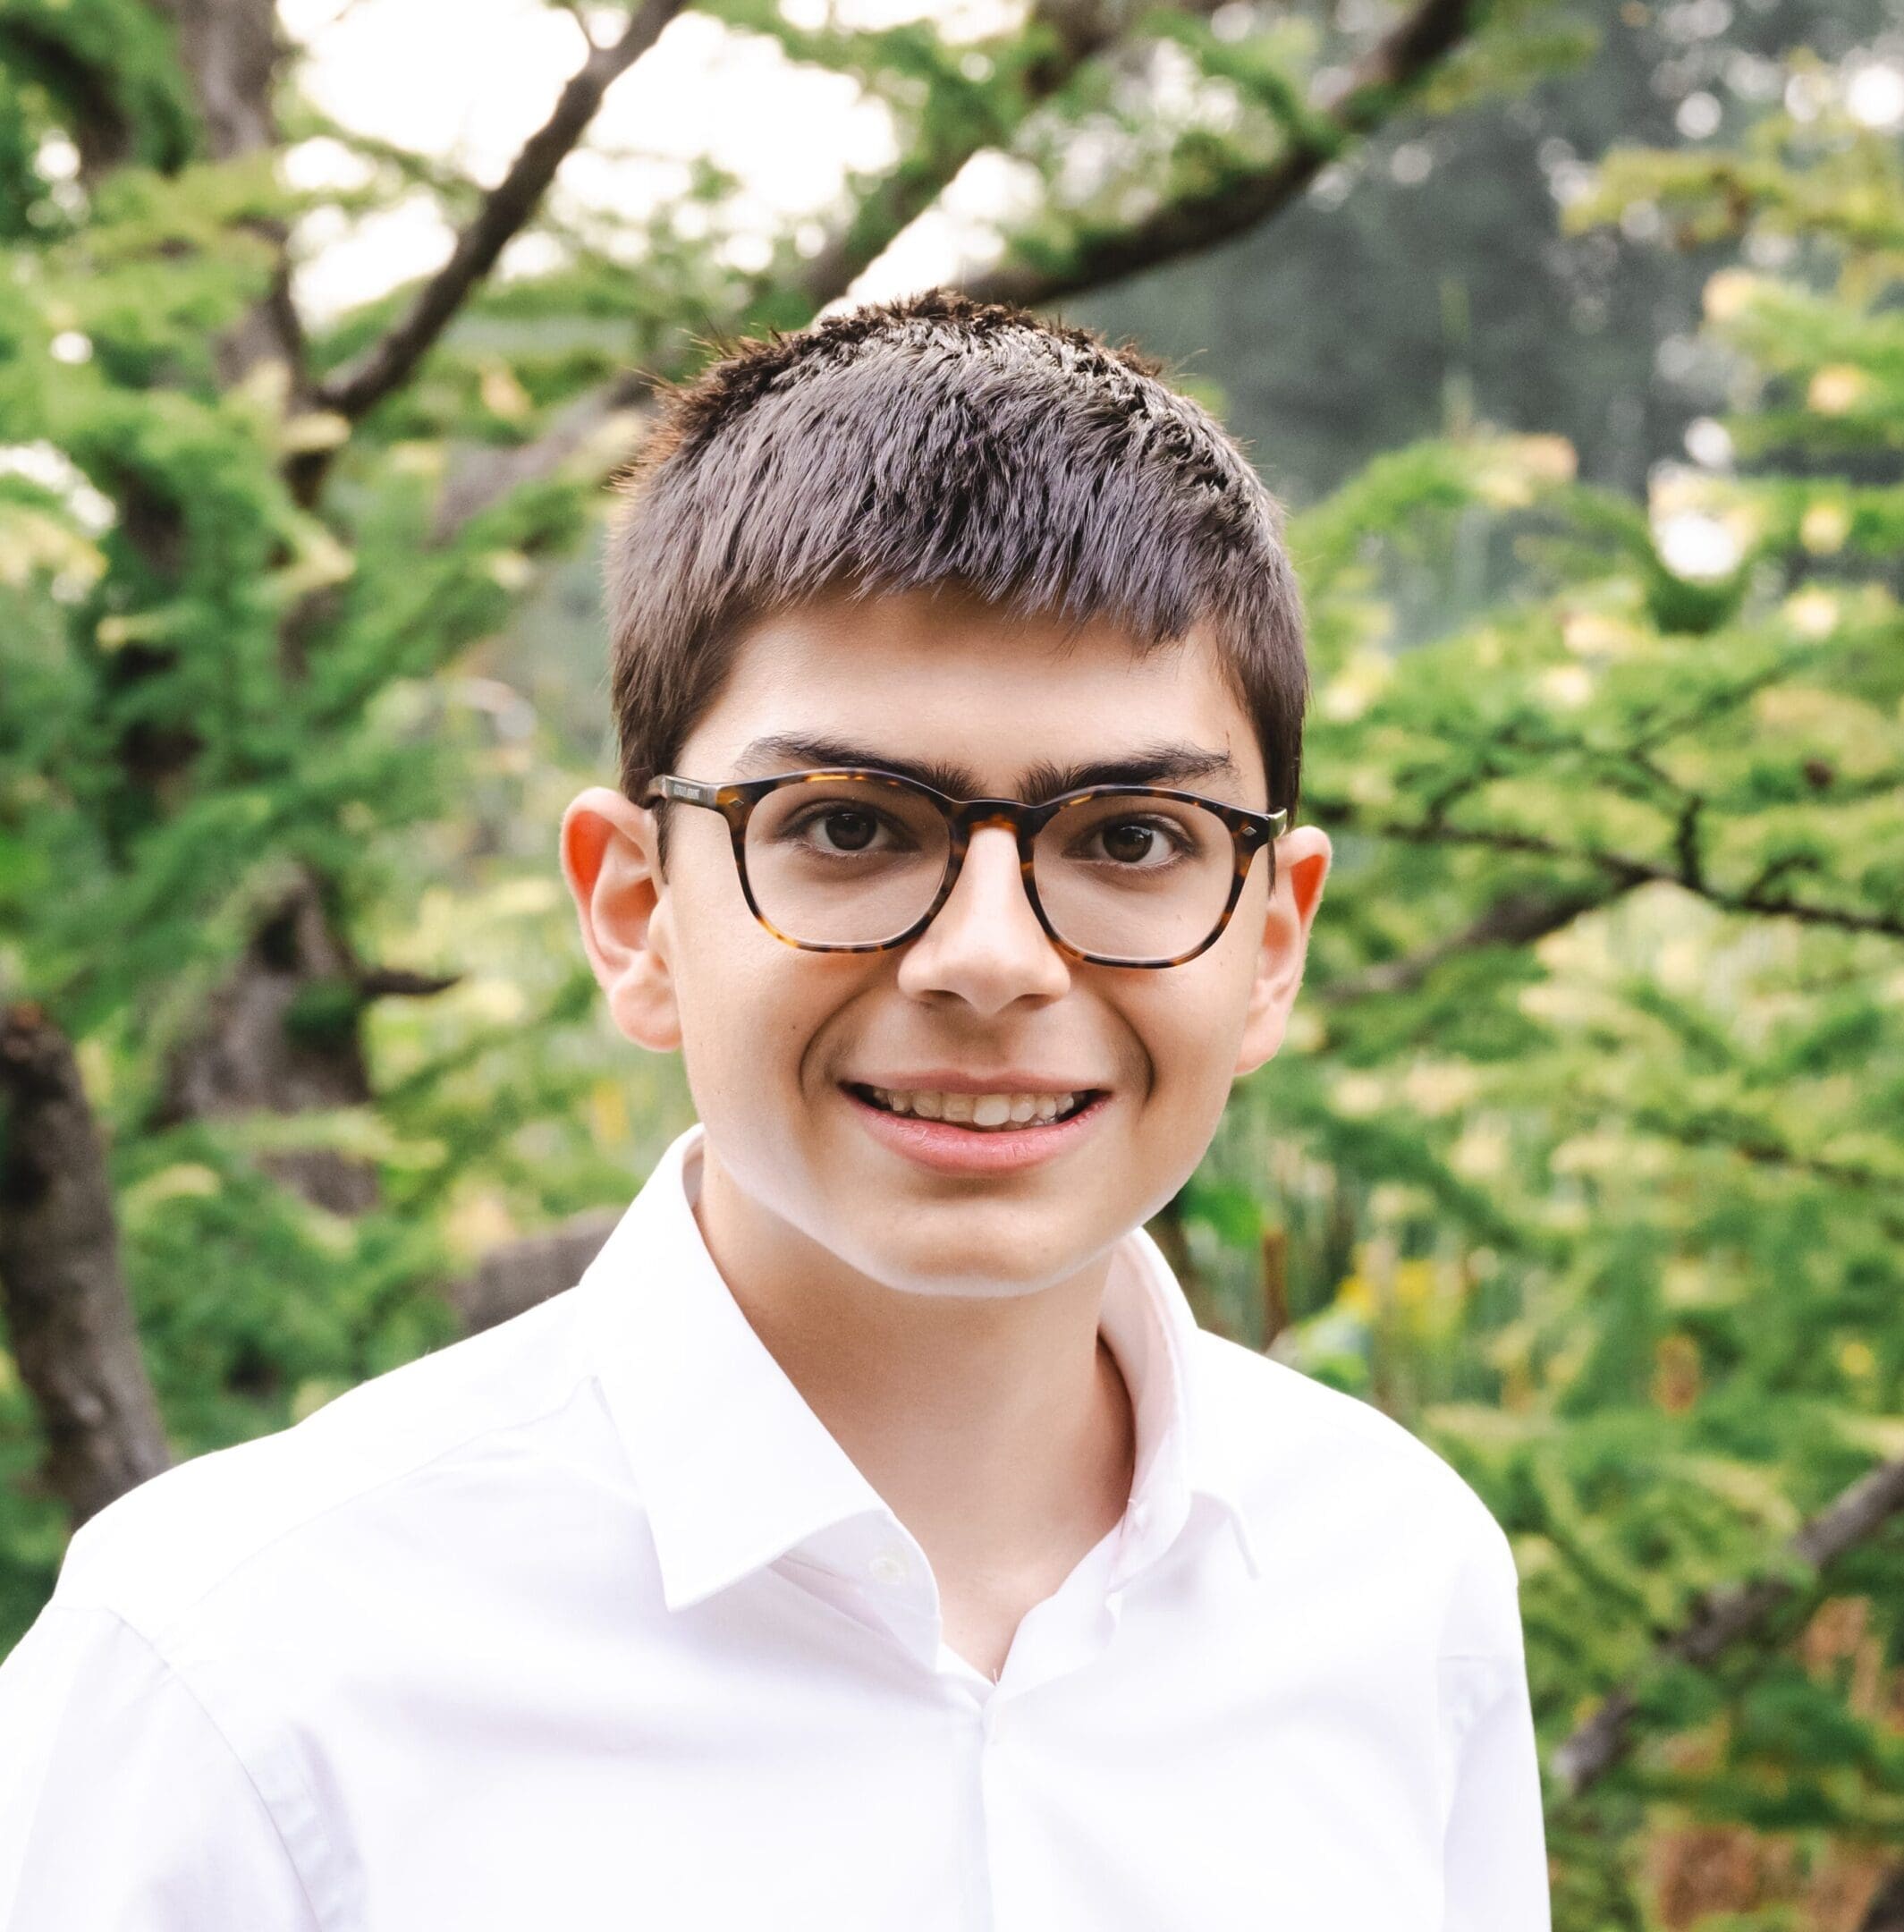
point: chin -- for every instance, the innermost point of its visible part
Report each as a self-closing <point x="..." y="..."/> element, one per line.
<point x="968" y="1269"/>
<point x="966" y="1288"/>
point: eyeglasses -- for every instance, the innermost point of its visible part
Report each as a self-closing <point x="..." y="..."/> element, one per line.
<point x="860" y="860"/>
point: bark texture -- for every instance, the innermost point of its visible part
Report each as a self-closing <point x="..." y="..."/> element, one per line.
<point x="67" y="1312"/>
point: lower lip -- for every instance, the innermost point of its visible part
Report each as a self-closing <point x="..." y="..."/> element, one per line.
<point x="951" y="1148"/>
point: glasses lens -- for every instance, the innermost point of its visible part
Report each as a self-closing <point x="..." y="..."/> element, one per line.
<point x="1134" y="878"/>
<point x="845" y="861"/>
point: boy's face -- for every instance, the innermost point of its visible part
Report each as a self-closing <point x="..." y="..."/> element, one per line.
<point x="772" y="1037"/>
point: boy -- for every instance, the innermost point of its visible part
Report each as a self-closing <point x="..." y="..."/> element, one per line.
<point x="870" y="1539"/>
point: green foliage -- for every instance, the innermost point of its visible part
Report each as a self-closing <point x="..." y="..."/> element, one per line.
<point x="1583" y="1153"/>
<point x="109" y="65"/>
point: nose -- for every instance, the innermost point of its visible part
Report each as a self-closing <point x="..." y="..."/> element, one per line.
<point x="985" y="945"/>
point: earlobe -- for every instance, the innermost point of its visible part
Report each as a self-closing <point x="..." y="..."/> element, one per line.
<point x="608" y="858"/>
<point x="1302" y="865"/>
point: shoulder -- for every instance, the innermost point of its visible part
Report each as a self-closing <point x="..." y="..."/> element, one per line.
<point x="154" y="1552"/>
<point x="1320" y="1471"/>
<point x="1272" y="1411"/>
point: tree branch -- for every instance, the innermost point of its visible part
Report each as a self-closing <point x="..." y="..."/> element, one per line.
<point x="1633" y="872"/>
<point x="354" y="390"/>
<point x="1517" y="919"/>
<point x="68" y="1314"/>
<point x="400" y="982"/>
<point x="1082" y="28"/>
<point x="1725" y="1617"/>
<point x="1390" y="71"/>
<point x="1764" y="1152"/>
<point x="488" y="476"/>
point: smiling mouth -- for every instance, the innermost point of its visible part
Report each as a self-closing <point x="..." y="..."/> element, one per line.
<point x="1027" y="1113"/>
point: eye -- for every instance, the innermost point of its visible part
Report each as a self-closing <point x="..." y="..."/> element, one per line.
<point x="844" y="831"/>
<point x="1137" y="843"/>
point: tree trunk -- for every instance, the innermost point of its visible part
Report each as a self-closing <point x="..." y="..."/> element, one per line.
<point x="65" y="1295"/>
<point x="280" y="1036"/>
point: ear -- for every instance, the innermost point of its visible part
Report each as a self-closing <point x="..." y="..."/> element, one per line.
<point x="609" y="859"/>
<point x="1302" y="864"/>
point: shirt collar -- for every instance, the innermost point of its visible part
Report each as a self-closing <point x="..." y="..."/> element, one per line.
<point x="735" y="1470"/>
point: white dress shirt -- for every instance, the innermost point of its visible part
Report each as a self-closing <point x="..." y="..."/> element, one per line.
<point x="586" y="1622"/>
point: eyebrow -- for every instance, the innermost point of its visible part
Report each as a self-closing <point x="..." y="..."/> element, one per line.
<point x="1160" y="762"/>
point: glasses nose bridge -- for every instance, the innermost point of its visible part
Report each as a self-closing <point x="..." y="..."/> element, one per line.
<point x="976" y="814"/>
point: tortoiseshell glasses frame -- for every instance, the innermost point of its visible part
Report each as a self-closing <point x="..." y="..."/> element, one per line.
<point x="1249" y="832"/>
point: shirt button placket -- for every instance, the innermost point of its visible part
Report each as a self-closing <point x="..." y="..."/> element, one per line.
<point x="994" y="1766"/>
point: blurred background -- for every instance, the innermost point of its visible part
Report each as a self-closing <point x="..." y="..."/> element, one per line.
<point x="1570" y="335"/>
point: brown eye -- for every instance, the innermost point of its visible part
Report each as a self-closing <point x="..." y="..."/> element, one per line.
<point x="1129" y="844"/>
<point x="832" y="830"/>
<point x="1135" y="844"/>
<point x="848" y="831"/>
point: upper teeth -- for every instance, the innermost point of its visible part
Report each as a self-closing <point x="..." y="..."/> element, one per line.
<point x="976" y="1110"/>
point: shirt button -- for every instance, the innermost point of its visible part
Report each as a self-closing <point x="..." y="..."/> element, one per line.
<point x="889" y="1566"/>
<point x="1140" y="1516"/>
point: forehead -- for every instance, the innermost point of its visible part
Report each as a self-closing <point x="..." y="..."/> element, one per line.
<point x="986" y="696"/>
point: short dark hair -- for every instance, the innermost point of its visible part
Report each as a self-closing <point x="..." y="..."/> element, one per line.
<point x="937" y="440"/>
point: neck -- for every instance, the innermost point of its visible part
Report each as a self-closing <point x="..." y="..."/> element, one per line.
<point x="997" y="1428"/>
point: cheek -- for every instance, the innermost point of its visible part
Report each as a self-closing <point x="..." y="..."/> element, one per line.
<point x="753" y="1011"/>
<point x="722" y="988"/>
<point x="1191" y="1023"/>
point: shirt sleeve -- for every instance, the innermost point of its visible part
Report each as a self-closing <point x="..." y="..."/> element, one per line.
<point x="123" y="1808"/>
<point x="1495" y="1851"/>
